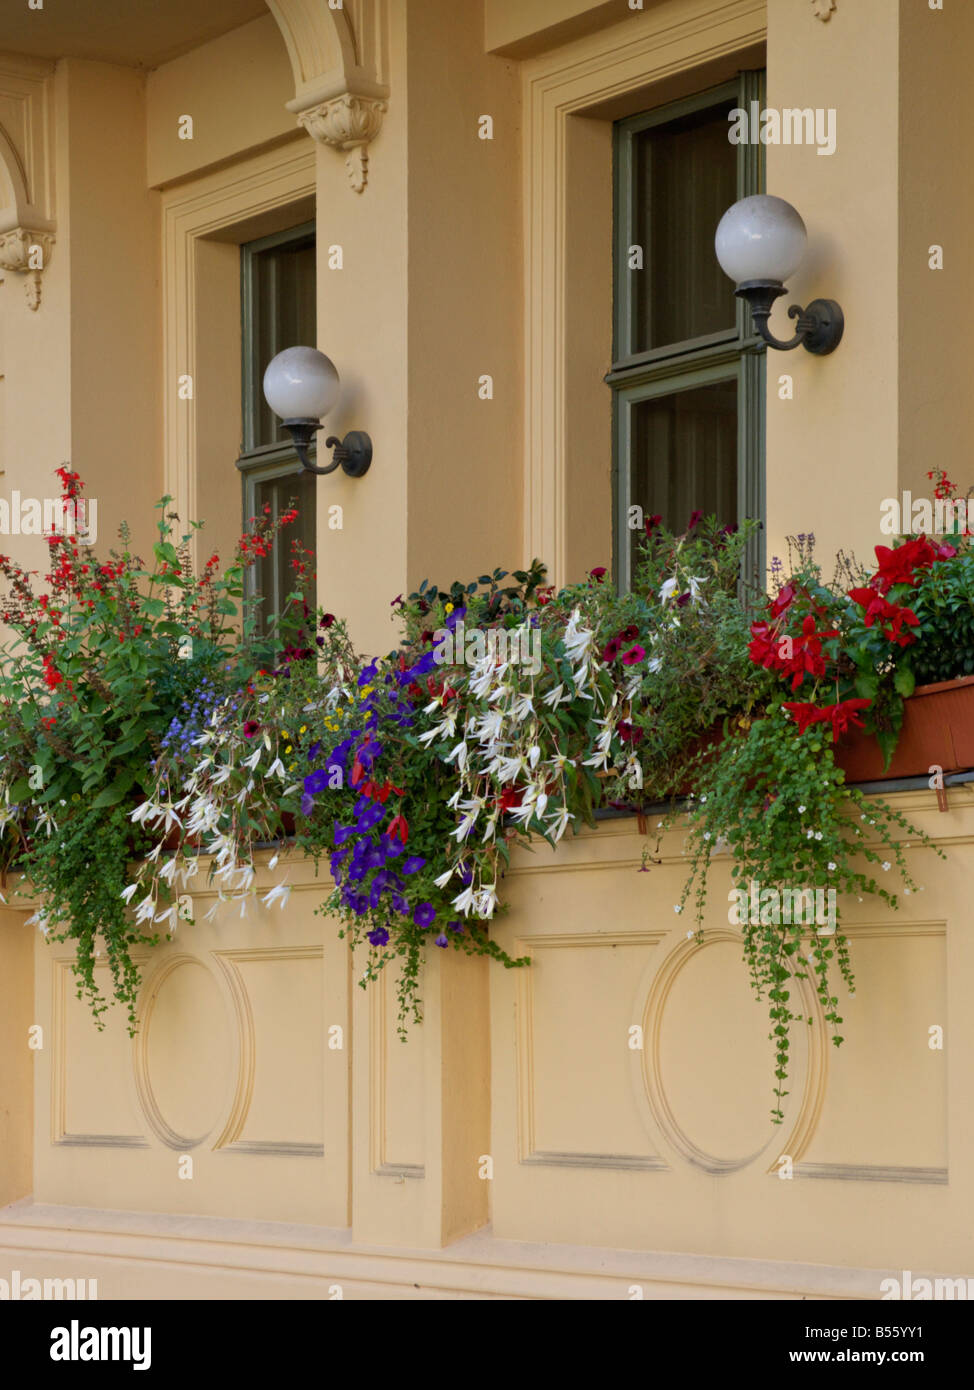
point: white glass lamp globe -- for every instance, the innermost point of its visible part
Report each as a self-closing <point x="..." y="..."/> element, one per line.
<point x="301" y="383"/>
<point x="760" y="238"/>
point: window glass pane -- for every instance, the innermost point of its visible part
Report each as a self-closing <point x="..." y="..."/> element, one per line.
<point x="684" y="180"/>
<point x="284" y="316"/>
<point x="274" y="577"/>
<point x="684" y="455"/>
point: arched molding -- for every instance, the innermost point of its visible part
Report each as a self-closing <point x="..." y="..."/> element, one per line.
<point x="339" y="56"/>
<point x="27" y="224"/>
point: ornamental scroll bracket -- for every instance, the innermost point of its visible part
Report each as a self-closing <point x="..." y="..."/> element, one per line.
<point x="339" y="56"/>
<point x="27" y="252"/>
<point x="823" y="8"/>
<point x="348" y="123"/>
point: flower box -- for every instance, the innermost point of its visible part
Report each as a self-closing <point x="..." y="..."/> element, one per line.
<point x="938" y="731"/>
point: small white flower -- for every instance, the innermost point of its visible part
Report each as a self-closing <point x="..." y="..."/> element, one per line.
<point x="690" y="935"/>
<point x="831" y="867"/>
<point x="801" y="810"/>
<point x="677" y="908"/>
<point x="818" y="834"/>
<point x="127" y="893"/>
<point x="886" y="866"/>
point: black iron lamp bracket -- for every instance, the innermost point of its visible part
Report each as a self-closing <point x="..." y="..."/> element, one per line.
<point x="353" y="453"/>
<point x="819" y="326"/>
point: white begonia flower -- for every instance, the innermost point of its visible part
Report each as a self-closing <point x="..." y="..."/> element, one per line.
<point x="458" y="754"/>
<point x="444" y="878"/>
<point x="464" y="901"/>
<point x="280" y="891"/>
<point x="127" y="893"/>
<point x="668" y="588"/>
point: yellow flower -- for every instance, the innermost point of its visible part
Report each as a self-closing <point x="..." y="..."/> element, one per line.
<point x="449" y="608"/>
<point x="366" y="691"/>
<point x="288" y="749"/>
<point x="303" y="729"/>
<point x="76" y="796"/>
<point x="292" y="767"/>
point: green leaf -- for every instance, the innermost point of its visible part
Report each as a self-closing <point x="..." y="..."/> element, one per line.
<point x="867" y="685"/>
<point x="112" y="795"/>
<point x="905" y="681"/>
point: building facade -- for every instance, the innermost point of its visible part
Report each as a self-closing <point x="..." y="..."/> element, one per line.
<point x="447" y="197"/>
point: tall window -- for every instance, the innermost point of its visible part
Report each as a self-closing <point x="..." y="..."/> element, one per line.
<point x="278" y="311"/>
<point x="688" y="370"/>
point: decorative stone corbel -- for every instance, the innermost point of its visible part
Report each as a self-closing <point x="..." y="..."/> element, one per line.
<point x="28" y="253"/>
<point x="823" y="8"/>
<point x="347" y="123"/>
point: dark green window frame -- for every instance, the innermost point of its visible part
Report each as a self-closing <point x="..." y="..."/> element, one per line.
<point x="261" y="463"/>
<point x="735" y="354"/>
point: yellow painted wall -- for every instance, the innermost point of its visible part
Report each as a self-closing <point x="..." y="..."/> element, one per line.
<point x="109" y="237"/>
<point x="17" y="947"/>
<point x="234" y="87"/>
<point x="465" y="269"/>
<point x="832" y="451"/>
<point x="936" y="208"/>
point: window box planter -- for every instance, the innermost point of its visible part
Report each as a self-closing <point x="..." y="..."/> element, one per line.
<point x="938" y="730"/>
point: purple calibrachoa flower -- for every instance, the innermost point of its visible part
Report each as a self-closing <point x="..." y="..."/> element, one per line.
<point x="307" y="804"/>
<point x="441" y="940"/>
<point x="413" y="864"/>
<point x="343" y="833"/>
<point x="316" y="782"/>
<point x="379" y="936"/>
<point x="371" y="817"/>
<point x="424" y="914"/>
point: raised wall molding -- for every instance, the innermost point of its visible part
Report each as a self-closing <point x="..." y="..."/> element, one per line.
<point x="823" y="8"/>
<point x="340" y="61"/>
<point x="347" y="123"/>
<point x="28" y="253"/>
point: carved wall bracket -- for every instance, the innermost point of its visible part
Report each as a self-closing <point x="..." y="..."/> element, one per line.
<point x="28" y="253"/>
<point x="823" y="8"/>
<point x="348" y="123"/>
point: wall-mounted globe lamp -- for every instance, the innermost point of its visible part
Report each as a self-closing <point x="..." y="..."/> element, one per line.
<point x="760" y="242"/>
<point x="300" y="385"/>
